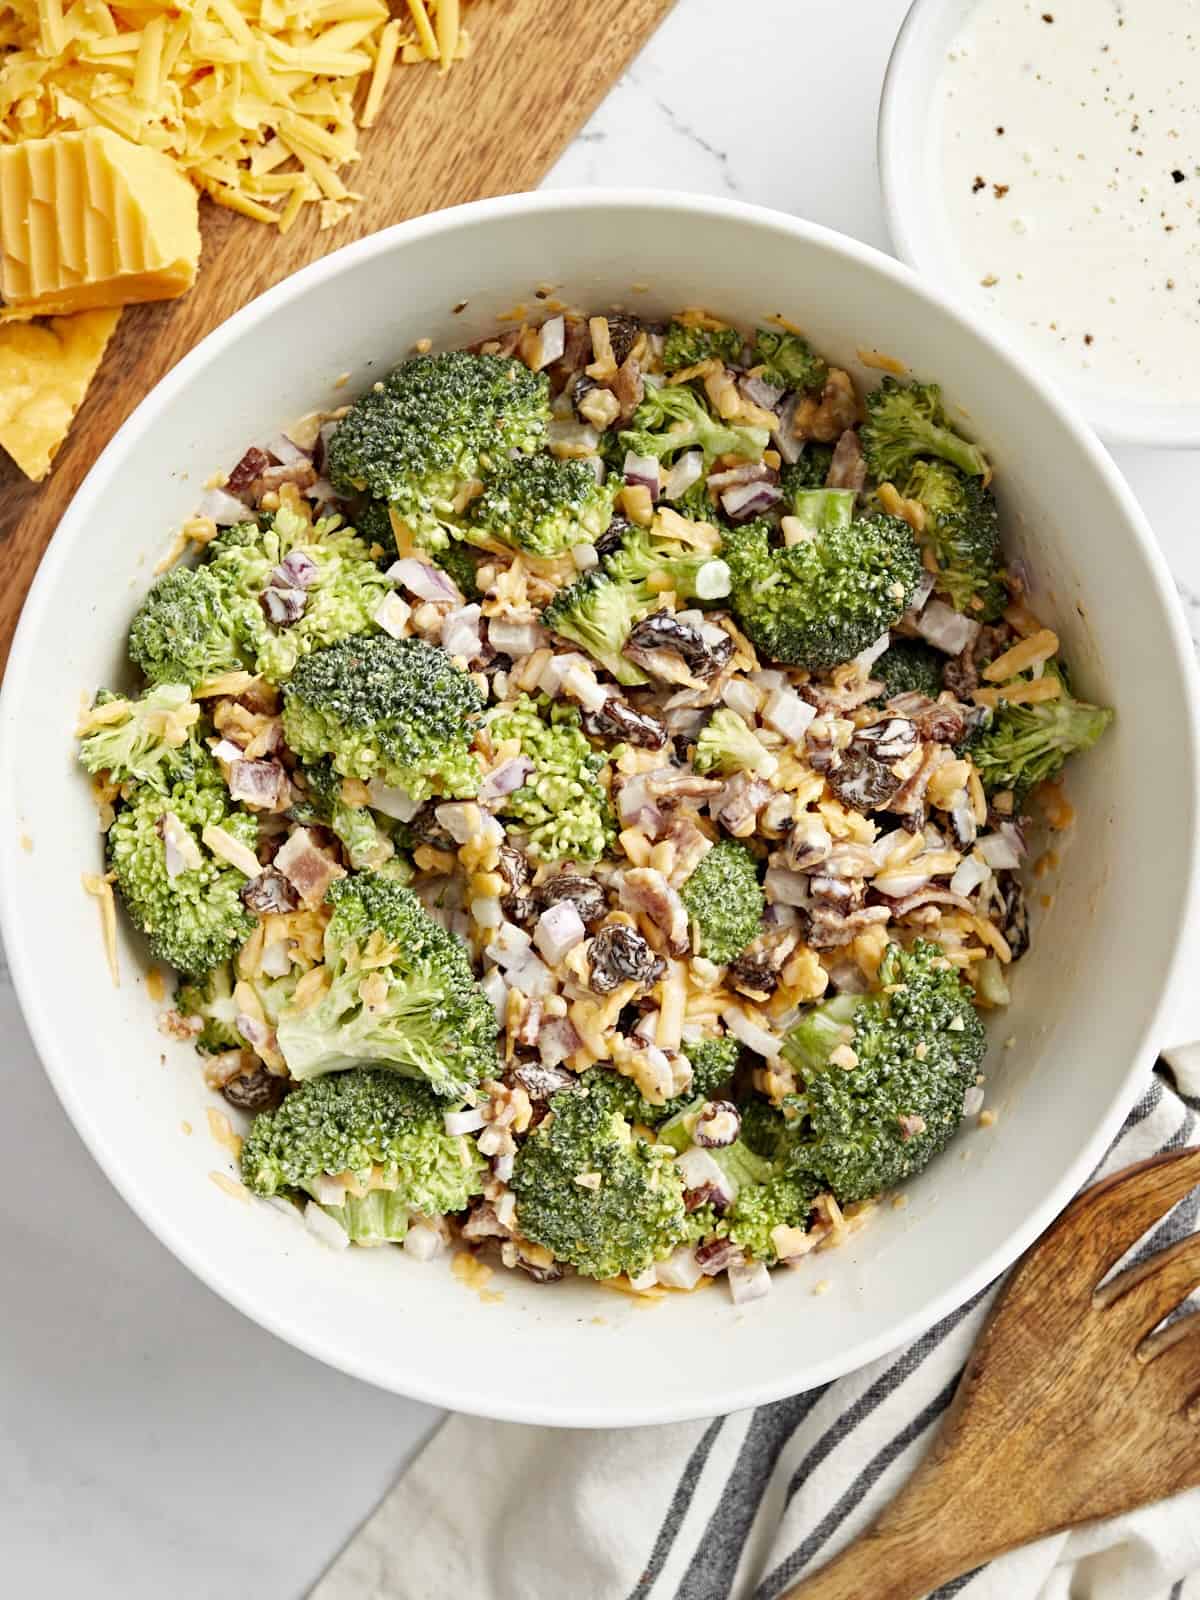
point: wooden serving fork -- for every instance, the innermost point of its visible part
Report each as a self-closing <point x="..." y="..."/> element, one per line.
<point x="1071" y="1407"/>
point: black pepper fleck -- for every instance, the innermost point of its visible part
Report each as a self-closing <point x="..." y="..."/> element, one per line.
<point x="980" y="183"/>
<point x="1000" y="130"/>
<point x="460" y="308"/>
<point x="1087" y="338"/>
<point x="1047" y="16"/>
<point x="999" y="190"/>
<point x="1177" y="175"/>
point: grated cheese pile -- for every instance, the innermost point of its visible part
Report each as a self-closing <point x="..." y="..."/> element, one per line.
<point x="258" y="101"/>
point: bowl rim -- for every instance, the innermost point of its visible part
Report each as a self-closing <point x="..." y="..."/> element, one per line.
<point x="34" y="997"/>
<point x="1175" y="427"/>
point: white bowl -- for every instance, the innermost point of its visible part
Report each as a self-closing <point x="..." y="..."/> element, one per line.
<point x="910" y="178"/>
<point x="1085" y="998"/>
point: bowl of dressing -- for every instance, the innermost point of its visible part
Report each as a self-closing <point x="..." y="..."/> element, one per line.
<point x="1038" y="160"/>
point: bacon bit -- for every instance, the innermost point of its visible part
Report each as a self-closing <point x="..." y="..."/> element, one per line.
<point x="308" y="869"/>
<point x="101" y="888"/>
<point x="910" y="1126"/>
<point x="882" y="363"/>
<point x="1031" y="652"/>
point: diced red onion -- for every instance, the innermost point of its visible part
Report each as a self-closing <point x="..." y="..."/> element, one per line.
<point x="641" y="470"/>
<point x="741" y="697"/>
<point x="768" y="678"/>
<point x="222" y="507"/>
<point x="747" y="500"/>
<point x="578" y="437"/>
<point x="425" y="581"/>
<point x="460" y="633"/>
<point x="507" y="778"/>
<point x="552" y="341"/>
<point x="510" y="946"/>
<point x="180" y="849"/>
<point x="392" y="614"/>
<point x="252" y="1029"/>
<point x="321" y="491"/>
<point x="582" y="682"/>
<point x="946" y="629"/>
<point x="998" y="851"/>
<point x="867" y="658"/>
<point x="391" y="801"/>
<point x="785" y="441"/>
<point x="788" y="714"/>
<point x="646" y="1027"/>
<point x="713" y="581"/>
<point x="761" y="393"/>
<point x="748" y="1281"/>
<point x="920" y="594"/>
<point x="717" y="1255"/>
<point x="1012" y="832"/>
<point x="327" y="1191"/>
<point x="297" y="570"/>
<point x="532" y="976"/>
<point x="559" y="929"/>
<point x="968" y="875"/>
<point x="557" y="1040"/>
<point x="225" y="750"/>
<point x="744" y="472"/>
<point x="645" y="1280"/>
<point x="786" y="888"/>
<point x="496" y="990"/>
<point x="680" y="1270"/>
<point x="502" y="1167"/>
<point x="698" y="1170"/>
<point x="973" y="1101"/>
<point x="486" y="911"/>
<point x="584" y="556"/>
<point x="469" y="1120"/>
<point x="899" y="885"/>
<point x="515" y="639"/>
<point x="286" y="450"/>
<point x="687" y="470"/>
<point x="257" y="783"/>
<point x="963" y="821"/>
<point x="423" y="1242"/>
<point x="326" y="1228"/>
<point x="283" y="607"/>
<point x="752" y="1036"/>
<point x="460" y="818"/>
<point x="633" y="796"/>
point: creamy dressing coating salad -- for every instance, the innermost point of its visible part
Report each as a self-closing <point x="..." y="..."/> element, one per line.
<point x="582" y="786"/>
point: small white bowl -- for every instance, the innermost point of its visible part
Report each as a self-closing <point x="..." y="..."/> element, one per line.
<point x="910" y="177"/>
<point x="1086" y="997"/>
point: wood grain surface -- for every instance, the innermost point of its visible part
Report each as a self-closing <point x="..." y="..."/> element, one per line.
<point x="493" y="125"/>
<point x="1070" y="1408"/>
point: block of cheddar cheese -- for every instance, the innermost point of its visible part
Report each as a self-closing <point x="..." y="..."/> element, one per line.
<point x="89" y="219"/>
<point x="45" y="370"/>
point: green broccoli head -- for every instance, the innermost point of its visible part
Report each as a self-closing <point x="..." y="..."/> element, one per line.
<point x="866" y="1125"/>
<point x="712" y="1061"/>
<point x="294" y="587"/>
<point x="401" y="993"/>
<point x="660" y="564"/>
<point x="543" y="506"/>
<point x="1024" y="745"/>
<point x="132" y="740"/>
<point x="186" y="900"/>
<point x="788" y="360"/>
<point x="962" y="528"/>
<point x="810" y="472"/>
<point x="674" y="418"/>
<point x="395" y="709"/>
<point x="459" y="562"/>
<point x="687" y="345"/>
<point x="185" y="630"/>
<point x="561" y="807"/>
<point x="820" y="602"/>
<point x="696" y="504"/>
<point x="597" y="613"/>
<point x="909" y="666"/>
<point x="209" y="1000"/>
<point x="416" y="440"/>
<point x="366" y="844"/>
<point x="727" y="744"/>
<point x="724" y="902"/>
<point x="908" y="420"/>
<point x="384" y="1133"/>
<point x="593" y="1192"/>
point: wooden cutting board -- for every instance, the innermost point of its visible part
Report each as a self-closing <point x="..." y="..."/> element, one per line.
<point x="493" y="125"/>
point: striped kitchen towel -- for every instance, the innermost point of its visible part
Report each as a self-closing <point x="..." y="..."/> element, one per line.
<point x="744" y="1505"/>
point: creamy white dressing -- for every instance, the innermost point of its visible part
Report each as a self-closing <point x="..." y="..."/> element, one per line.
<point x="1066" y="138"/>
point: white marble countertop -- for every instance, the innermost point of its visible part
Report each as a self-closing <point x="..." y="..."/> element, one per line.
<point x="152" y="1441"/>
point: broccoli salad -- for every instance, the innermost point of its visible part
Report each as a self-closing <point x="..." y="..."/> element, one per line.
<point x="583" y="787"/>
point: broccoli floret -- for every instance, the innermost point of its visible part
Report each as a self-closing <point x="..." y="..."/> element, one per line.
<point x="696" y="504"/>
<point x="543" y="506"/>
<point x="962" y="528"/>
<point x="377" y="1130"/>
<point x="907" y="420"/>
<point x="661" y="564"/>
<point x="788" y="360"/>
<point x="132" y="739"/>
<point x="596" y="613"/>
<point x="810" y="472"/>
<point x="194" y="918"/>
<point x="561" y="807"/>
<point x="400" y="992"/>
<point x="210" y="999"/>
<point x="917" y="1043"/>
<point x="1024" y="745"/>
<point x="395" y="709"/>
<point x="724" y="902"/>
<point x="627" y="1211"/>
<point x="687" y="345"/>
<point x="728" y="744"/>
<point x="433" y="425"/>
<point x="712" y="1061"/>
<point x="340" y="584"/>
<point x="671" y="419"/>
<point x="185" y="631"/>
<point x="373" y="525"/>
<point x="823" y="510"/>
<point x="909" y="666"/>
<point x="365" y="842"/>
<point x="459" y="562"/>
<point x="820" y="602"/>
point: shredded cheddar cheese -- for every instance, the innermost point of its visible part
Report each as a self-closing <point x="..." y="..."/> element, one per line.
<point x="259" y="102"/>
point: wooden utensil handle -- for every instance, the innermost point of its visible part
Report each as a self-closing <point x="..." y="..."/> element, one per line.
<point x="894" y="1565"/>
